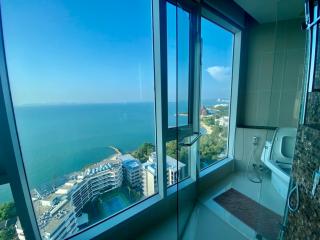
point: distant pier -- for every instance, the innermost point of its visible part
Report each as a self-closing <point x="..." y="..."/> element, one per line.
<point x="117" y="150"/>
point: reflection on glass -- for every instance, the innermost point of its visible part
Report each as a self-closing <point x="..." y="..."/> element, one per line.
<point x="10" y="227"/>
<point x="177" y="156"/>
<point x="172" y="63"/>
<point x="178" y="65"/>
<point x="183" y="42"/>
<point x="215" y="92"/>
<point x="82" y="89"/>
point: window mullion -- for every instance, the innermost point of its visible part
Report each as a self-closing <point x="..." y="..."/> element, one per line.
<point x="196" y="77"/>
<point x="161" y="85"/>
<point x="234" y="92"/>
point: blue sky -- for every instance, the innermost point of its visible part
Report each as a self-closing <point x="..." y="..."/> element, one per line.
<point x="93" y="51"/>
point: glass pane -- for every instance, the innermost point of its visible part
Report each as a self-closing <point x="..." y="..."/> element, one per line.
<point x="10" y="227"/>
<point x="172" y="60"/>
<point x="81" y="77"/>
<point x="178" y="21"/>
<point x="185" y="199"/>
<point x="176" y="170"/>
<point x="215" y="92"/>
<point x="183" y="97"/>
<point x="183" y="48"/>
<point x="178" y="77"/>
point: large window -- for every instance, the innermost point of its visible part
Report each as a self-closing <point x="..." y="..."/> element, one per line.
<point x="82" y="85"/>
<point x="217" y="56"/>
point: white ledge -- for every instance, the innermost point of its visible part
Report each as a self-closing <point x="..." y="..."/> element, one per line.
<point x="214" y="167"/>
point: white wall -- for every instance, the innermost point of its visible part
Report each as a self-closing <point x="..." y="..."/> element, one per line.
<point x="270" y="92"/>
<point x="273" y="81"/>
<point x="244" y="146"/>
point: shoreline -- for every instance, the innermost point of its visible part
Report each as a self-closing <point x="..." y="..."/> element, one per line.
<point x="205" y="127"/>
<point x="46" y="186"/>
<point x="50" y="186"/>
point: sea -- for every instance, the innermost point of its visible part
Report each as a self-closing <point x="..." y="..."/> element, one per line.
<point x="56" y="140"/>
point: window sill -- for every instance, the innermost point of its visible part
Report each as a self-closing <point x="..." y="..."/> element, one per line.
<point x="215" y="167"/>
<point x="181" y="185"/>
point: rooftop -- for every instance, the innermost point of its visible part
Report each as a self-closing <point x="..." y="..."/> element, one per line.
<point x="51" y="217"/>
<point x="172" y="164"/>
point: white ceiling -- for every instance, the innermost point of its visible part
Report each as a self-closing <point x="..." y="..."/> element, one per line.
<point x="272" y="10"/>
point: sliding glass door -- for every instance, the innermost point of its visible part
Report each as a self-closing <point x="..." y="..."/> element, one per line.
<point x="183" y="130"/>
<point x="188" y="133"/>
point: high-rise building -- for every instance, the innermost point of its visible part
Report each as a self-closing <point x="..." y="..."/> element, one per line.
<point x="96" y="180"/>
<point x="131" y="170"/>
<point x="149" y="173"/>
<point x="149" y="178"/>
<point x="58" y="212"/>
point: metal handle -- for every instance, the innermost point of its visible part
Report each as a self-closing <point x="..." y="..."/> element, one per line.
<point x="192" y="142"/>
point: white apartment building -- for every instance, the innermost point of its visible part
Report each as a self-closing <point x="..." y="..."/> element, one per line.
<point x="131" y="170"/>
<point x="149" y="173"/>
<point x="223" y="121"/>
<point x="96" y="180"/>
<point x="57" y="212"/>
<point x="149" y="178"/>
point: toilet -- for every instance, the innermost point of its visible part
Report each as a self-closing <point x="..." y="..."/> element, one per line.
<point x="278" y="155"/>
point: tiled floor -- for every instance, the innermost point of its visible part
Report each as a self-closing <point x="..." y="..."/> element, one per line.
<point x="263" y="193"/>
<point x="203" y="225"/>
<point x="206" y="225"/>
<point x="210" y="221"/>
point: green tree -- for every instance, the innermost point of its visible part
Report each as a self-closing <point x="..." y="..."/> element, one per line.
<point x="7" y="211"/>
<point x="143" y="152"/>
<point x="210" y="120"/>
<point x="212" y="145"/>
<point x="8" y="233"/>
<point x="172" y="151"/>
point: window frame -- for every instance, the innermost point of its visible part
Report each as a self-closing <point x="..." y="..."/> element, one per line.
<point x="184" y="130"/>
<point x="10" y="141"/>
<point x="214" y="17"/>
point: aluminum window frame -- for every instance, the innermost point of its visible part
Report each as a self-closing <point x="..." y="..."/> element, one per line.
<point x="193" y="128"/>
<point x="222" y="21"/>
<point x="188" y="129"/>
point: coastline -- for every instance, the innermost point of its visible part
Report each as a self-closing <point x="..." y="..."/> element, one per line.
<point x="107" y="159"/>
<point x="205" y="127"/>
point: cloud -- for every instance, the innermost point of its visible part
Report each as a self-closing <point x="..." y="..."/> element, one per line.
<point x="219" y="73"/>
